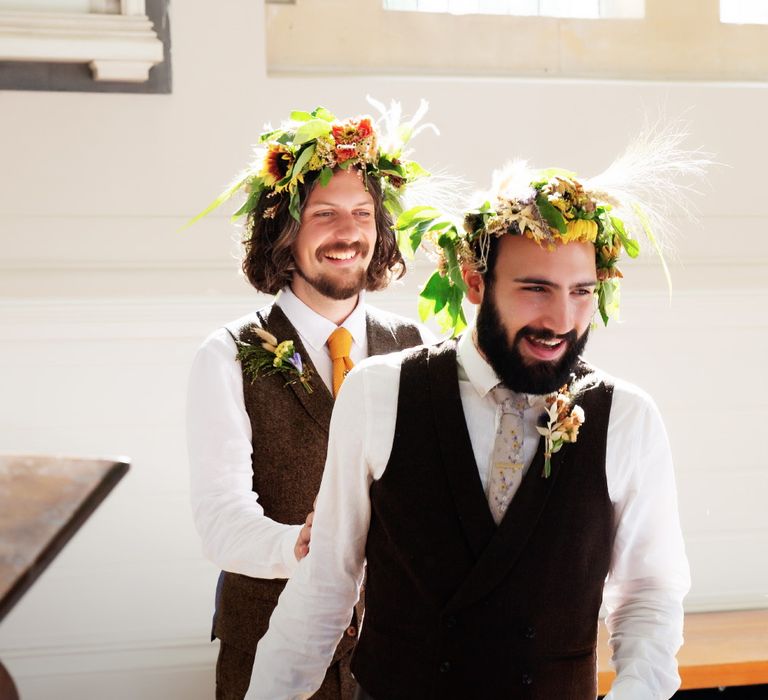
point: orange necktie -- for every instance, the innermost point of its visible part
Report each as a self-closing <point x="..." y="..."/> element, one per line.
<point x="340" y="343"/>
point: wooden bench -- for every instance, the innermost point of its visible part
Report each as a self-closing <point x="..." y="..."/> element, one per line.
<point x="721" y="649"/>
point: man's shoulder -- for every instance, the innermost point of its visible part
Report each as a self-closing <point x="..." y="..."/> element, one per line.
<point x="239" y="324"/>
<point x="627" y="396"/>
<point x="390" y="364"/>
<point x="400" y="326"/>
<point x="222" y="339"/>
<point x="388" y="318"/>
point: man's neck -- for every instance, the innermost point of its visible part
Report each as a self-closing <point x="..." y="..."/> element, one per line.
<point x="335" y="310"/>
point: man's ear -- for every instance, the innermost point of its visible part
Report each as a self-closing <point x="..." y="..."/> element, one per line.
<point x="475" y="284"/>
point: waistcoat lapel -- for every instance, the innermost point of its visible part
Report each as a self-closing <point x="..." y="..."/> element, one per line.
<point x="319" y="403"/>
<point x="496" y="548"/>
<point x="459" y="463"/>
<point x="513" y="532"/>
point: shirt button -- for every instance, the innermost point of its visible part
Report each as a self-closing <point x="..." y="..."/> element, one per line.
<point x="526" y="679"/>
<point x="445" y="667"/>
<point x="351" y="631"/>
<point x="529" y="633"/>
<point x="450" y="622"/>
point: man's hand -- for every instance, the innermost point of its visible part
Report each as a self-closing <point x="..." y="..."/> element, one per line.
<point x="301" y="549"/>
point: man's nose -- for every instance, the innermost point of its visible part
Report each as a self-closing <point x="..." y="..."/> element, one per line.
<point x="346" y="226"/>
<point x="559" y="315"/>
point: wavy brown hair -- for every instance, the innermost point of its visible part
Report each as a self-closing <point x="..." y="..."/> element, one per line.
<point x="268" y="260"/>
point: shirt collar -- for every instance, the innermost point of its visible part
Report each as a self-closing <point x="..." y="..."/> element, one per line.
<point x="476" y="368"/>
<point x="478" y="372"/>
<point x="313" y="327"/>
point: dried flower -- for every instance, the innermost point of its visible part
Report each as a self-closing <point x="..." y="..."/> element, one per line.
<point x="559" y="424"/>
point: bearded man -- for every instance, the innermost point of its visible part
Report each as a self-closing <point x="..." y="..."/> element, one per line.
<point x="320" y="197"/>
<point x="498" y="488"/>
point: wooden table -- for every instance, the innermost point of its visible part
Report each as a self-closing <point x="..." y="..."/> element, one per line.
<point x="721" y="649"/>
<point x="43" y="503"/>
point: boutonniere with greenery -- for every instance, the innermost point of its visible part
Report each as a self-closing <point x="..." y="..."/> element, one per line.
<point x="273" y="357"/>
<point x="559" y="424"/>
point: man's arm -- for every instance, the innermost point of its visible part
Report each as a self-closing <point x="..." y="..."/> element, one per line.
<point x="235" y="533"/>
<point x="315" y="607"/>
<point x="649" y="574"/>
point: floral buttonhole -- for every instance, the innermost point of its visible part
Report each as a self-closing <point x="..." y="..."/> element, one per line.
<point x="559" y="424"/>
<point x="273" y="357"/>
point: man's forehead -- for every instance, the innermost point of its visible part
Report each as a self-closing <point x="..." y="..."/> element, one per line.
<point x="521" y="256"/>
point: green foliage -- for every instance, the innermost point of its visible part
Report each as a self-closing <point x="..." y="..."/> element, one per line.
<point x="550" y="213"/>
<point x="608" y="299"/>
<point x="216" y="203"/>
<point x="630" y="244"/>
<point x="294" y="205"/>
<point x="251" y="202"/>
<point x="304" y="158"/>
<point x="441" y="299"/>
<point x="414" y="215"/>
<point x="311" y="130"/>
<point x="323" y="113"/>
<point x="325" y="176"/>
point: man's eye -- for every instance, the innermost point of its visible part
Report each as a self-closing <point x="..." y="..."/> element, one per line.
<point x="364" y="213"/>
<point x="324" y="214"/>
<point x="583" y="292"/>
<point x="534" y="288"/>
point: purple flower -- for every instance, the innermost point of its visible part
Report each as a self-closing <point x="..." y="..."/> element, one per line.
<point x="296" y="362"/>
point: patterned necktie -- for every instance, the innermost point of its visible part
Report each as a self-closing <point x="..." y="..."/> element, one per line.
<point x="340" y="343"/>
<point x="506" y="470"/>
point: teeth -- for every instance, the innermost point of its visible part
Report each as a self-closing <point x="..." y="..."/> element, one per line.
<point x="549" y="343"/>
<point x="341" y="256"/>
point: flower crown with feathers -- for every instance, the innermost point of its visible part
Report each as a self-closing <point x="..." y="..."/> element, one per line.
<point x="633" y="197"/>
<point x="317" y="141"/>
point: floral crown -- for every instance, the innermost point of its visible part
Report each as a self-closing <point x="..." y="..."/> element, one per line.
<point x="632" y="197"/>
<point x="318" y="142"/>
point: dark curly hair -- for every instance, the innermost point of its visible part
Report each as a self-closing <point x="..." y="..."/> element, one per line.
<point x="268" y="260"/>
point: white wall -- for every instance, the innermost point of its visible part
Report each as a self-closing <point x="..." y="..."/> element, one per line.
<point x="103" y="302"/>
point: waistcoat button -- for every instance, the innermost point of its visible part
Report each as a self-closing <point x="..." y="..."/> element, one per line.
<point x="526" y="679"/>
<point x="529" y="633"/>
<point x="445" y="667"/>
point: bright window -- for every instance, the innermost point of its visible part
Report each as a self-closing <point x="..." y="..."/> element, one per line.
<point x="744" y="11"/>
<point x="594" y="9"/>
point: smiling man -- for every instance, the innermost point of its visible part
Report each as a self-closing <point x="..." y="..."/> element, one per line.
<point x="318" y="234"/>
<point x="498" y="487"/>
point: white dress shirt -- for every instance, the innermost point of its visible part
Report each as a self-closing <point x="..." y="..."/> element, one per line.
<point x="648" y="577"/>
<point x="235" y="533"/>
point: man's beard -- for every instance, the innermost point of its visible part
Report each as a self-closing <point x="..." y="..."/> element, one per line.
<point x="524" y="377"/>
<point x="334" y="288"/>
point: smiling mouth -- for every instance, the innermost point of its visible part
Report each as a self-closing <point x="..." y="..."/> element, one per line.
<point x="545" y="342"/>
<point x="344" y="254"/>
<point x="348" y="255"/>
<point x="545" y="348"/>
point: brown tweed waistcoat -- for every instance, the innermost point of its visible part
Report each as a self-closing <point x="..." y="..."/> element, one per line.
<point x="457" y="607"/>
<point x="290" y="434"/>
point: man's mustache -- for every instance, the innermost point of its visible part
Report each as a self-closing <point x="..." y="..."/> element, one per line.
<point x="360" y="247"/>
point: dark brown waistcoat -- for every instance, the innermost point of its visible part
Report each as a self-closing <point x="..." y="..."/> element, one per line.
<point x="290" y="434"/>
<point x="457" y="607"/>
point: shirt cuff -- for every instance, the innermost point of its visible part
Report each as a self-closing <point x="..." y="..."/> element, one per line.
<point x="289" y="544"/>
<point x="630" y="689"/>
